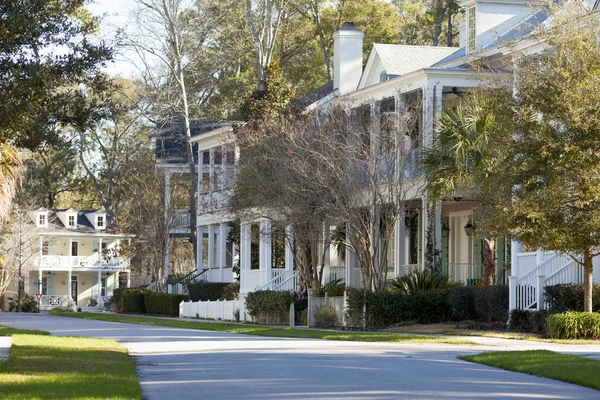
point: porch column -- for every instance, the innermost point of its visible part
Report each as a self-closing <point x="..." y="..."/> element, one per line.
<point x="200" y="247"/>
<point x="223" y="229"/>
<point x="40" y="278"/>
<point x="400" y="241"/>
<point x="326" y="249"/>
<point x="128" y="279"/>
<point x="265" y="250"/>
<point x="424" y="224"/>
<point x="515" y="249"/>
<point x="70" y="251"/>
<point x="167" y="193"/>
<point x="211" y="171"/>
<point x="99" y="288"/>
<point x="100" y="252"/>
<point x="69" y="285"/>
<point x="400" y="139"/>
<point x="211" y="248"/>
<point x="437" y="225"/>
<point x="349" y="260"/>
<point x="245" y="256"/>
<point x="116" y="278"/>
<point x="289" y="251"/>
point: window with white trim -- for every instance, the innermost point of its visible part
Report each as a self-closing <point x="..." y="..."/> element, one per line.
<point x="42" y="220"/>
<point x="100" y="221"/>
<point x="71" y="220"/>
<point x="471" y="29"/>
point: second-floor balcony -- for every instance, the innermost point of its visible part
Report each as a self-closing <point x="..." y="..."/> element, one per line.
<point x="85" y="262"/>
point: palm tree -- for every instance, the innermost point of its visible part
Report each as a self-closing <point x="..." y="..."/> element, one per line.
<point x="459" y="155"/>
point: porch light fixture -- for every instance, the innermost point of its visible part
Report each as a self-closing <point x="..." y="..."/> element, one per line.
<point x="445" y="230"/>
<point x="469" y="229"/>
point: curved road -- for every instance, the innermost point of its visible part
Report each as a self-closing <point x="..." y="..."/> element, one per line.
<point x="190" y="364"/>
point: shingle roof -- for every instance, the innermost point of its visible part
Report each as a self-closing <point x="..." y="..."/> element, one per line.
<point x="315" y="95"/>
<point x="83" y="223"/>
<point x="400" y="59"/>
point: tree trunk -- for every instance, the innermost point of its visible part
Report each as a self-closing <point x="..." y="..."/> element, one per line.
<point x="488" y="267"/>
<point x="588" y="269"/>
<point x="19" y="295"/>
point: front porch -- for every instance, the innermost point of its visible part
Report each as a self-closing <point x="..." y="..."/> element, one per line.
<point x="74" y="288"/>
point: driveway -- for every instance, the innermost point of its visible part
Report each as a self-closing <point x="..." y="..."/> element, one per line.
<point x="190" y="364"/>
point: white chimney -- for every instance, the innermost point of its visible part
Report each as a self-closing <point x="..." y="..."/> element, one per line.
<point x="347" y="58"/>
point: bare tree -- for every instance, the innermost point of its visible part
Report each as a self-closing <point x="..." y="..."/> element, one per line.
<point x="336" y="168"/>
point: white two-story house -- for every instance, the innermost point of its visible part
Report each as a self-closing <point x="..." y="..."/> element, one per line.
<point x="81" y="258"/>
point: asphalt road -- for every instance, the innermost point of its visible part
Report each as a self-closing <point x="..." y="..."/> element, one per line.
<point x="189" y="364"/>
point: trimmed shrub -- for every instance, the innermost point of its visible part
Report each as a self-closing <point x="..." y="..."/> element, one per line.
<point x="462" y="303"/>
<point x="163" y="303"/>
<point x="491" y="303"/>
<point x="528" y="321"/>
<point x="203" y="291"/>
<point x="334" y="289"/>
<point x="268" y="306"/>
<point x="119" y="296"/>
<point x="573" y="325"/>
<point x="133" y="303"/>
<point x="325" y="316"/>
<point x="569" y="297"/>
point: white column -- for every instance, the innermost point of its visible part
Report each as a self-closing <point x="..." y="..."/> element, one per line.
<point x="289" y="250"/>
<point x="99" y="288"/>
<point x="71" y="251"/>
<point x="116" y="277"/>
<point x="128" y="279"/>
<point x="400" y="241"/>
<point x="200" y="247"/>
<point x="348" y="260"/>
<point x="100" y="251"/>
<point x="424" y="223"/>
<point x="515" y="249"/>
<point x="265" y="250"/>
<point x="245" y="256"/>
<point x="167" y="192"/>
<point x="69" y="286"/>
<point x="437" y="225"/>
<point x="40" y="278"/>
<point x="326" y="249"/>
<point x="223" y="229"/>
<point x="211" y="171"/>
<point x="211" y="247"/>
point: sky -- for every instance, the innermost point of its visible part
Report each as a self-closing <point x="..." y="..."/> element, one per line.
<point x="115" y="13"/>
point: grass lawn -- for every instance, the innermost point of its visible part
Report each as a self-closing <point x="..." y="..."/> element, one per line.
<point x="451" y="329"/>
<point x="564" y="367"/>
<point x="258" y="330"/>
<point x="53" y="367"/>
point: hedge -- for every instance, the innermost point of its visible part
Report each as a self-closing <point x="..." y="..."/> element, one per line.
<point x="528" y="321"/>
<point x="118" y="297"/>
<point x="486" y="304"/>
<point x="268" y="306"/>
<point x="569" y="297"/>
<point x="133" y="303"/>
<point x="163" y="303"/>
<point x="573" y="325"/>
<point x="203" y="291"/>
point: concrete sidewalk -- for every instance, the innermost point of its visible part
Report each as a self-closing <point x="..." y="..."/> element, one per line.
<point x="5" y="343"/>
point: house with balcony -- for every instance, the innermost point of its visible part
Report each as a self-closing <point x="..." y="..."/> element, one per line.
<point x="81" y="258"/>
<point x="395" y="79"/>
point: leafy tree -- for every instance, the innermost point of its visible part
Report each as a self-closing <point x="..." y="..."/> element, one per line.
<point x="268" y="102"/>
<point x="47" y="60"/>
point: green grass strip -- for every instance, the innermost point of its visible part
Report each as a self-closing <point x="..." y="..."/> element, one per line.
<point x="8" y="331"/>
<point x="563" y="367"/>
<point x="54" y="367"/>
<point x="267" y="331"/>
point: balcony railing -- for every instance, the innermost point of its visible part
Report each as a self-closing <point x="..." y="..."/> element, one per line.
<point x="181" y="219"/>
<point x="93" y="261"/>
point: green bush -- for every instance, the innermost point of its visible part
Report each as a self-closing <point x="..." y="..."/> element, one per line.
<point x="203" y="291"/>
<point x="573" y="325"/>
<point x="569" y="297"/>
<point x="334" y="289"/>
<point x="29" y="304"/>
<point x="420" y="281"/>
<point x="491" y="303"/>
<point x="119" y="296"/>
<point x="163" y="303"/>
<point x="269" y="306"/>
<point x="528" y="321"/>
<point x="325" y="316"/>
<point x="133" y="303"/>
<point x="462" y="304"/>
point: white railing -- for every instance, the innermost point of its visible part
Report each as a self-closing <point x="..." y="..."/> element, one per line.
<point x="281" y="281"/>
<point x="181" y="219"/>
<point x="275" y="272"/>
<point x="408" y="268"/>
<point x="469" y="273"/>
<point x="224" y="310"/>
<point x="290" y="283"/>
<point x="51" y="301"/>
<point x="337" y="273"/>
<point x="93" y="261"/>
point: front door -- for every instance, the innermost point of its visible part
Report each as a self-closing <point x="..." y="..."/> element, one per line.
<point x="74" y="288"/>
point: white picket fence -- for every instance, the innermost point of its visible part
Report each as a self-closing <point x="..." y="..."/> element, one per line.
<point x="220" y="310"/>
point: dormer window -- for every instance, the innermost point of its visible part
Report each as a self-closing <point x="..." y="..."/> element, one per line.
<point x="71" y="221"/>
<point x="383" y="76"/>
<point x="100" y="221"/>
<point x="42" y="220"/>
<point x="471" y="29"/>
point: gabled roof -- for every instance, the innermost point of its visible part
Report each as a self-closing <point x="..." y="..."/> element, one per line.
<point x="400" y="59"/>
<point x="84" y="225"/>
<point x="315" y="95"/>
